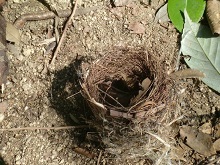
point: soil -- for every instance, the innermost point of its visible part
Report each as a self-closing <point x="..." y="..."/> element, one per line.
<point x="39" y="95"/>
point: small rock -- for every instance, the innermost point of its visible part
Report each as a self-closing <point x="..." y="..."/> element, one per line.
<point x="216" y="145"/>
<point x="2" y="116"/>
<point x="3" y="106"/>
<point x="26" y="87"/>
<point x="16" y="1"/>
<point x="17" y="158"/>
<point x="121" y="2"/>
<point x="206" y="128"/>
<point x="27" y="52"/>
<point x="40" y="68"/>
<point x="217" y="131"/>
<point x="59" y="149"/>
<point x="62" y="161"/>
<point x="54" y="155"/>
<point x="19" y="57"/>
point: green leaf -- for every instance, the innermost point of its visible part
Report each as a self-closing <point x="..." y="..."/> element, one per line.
<point x="195" y="9"/>
<point x="175" y="11"/>
<point x="204" y="49"/>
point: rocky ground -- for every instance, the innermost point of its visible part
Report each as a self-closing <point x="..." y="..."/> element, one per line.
<point x="39" y="95"/>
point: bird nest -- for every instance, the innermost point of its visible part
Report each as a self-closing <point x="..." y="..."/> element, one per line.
<point x="125" y="83"/>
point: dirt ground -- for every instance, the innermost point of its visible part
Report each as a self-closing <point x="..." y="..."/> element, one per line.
<point x="40" y="96"/>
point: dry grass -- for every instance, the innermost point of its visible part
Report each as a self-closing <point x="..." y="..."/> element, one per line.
<point x="138" y="129"/>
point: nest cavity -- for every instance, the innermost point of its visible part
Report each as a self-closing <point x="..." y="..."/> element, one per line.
<point x="124" y="83"/>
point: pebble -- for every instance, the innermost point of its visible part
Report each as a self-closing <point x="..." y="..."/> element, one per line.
<point x="59" y="149"/>
<point x="2" y="116"/>
<point x="27" y="52"/>
<point x="26" y="87"/>
<point x="217" y="145"/>
<point x="54" y="154"/>
<point x="16" y="1"/>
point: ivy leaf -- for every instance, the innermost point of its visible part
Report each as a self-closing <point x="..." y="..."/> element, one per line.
<point x="195" y="9"/>
<point x="204" y="49"/>
<point x="175" y="11"/>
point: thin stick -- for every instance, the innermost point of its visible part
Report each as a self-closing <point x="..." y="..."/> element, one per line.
<point x="64" y="33"/>
<point x="161" y="140"/>
<point x="99" y="158"/>
<point x="179" y="118"/>
<point x="214" y="161"/>
<point x="73" y="95"/>
<point x="178" y="61"/>
<point x="112" y="98"/>
<point x="43" y="128"/>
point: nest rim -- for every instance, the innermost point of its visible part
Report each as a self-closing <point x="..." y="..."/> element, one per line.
<point x="156" y="94"/>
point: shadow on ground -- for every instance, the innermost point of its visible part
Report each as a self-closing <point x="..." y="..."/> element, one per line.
<point x="2" y="162"/>
<point x="66" y="99"/>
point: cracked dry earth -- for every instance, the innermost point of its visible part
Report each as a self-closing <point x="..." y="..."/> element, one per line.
<point x="38" y="96"/>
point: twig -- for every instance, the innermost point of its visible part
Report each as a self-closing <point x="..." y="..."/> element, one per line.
<point x="112" y="98"/>
<point x="158" y="138"/>
<point x="166" y="149"/>
<point x="84" y="152"/>
<point x="64" y="32"/>
<point x="214" y="161"/>
<point x="162" y="156"/>
<point x="179" y="118"/>
<point x="73" y="95"/>
<point x="43" y="15"/>
<point x="43" y="128"/>
<point x="178" y="61"/>
<point x="99" y="158"/>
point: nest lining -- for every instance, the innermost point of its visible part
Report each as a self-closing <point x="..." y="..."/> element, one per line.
<point x="124" y="83"/>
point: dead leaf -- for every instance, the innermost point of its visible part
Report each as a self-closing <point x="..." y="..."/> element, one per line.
<point x="50" y="48"/>
<point x="2" y="47"/>
<point x="177" y="153"/>
<point x="2" y="31"/>
<point x="12" y="34"/>
<point x="136" y="10"/>
<point x="3" y="58"/>
<point x="213" y="15"/>
<point x="162" y="15"/>
<point x="199" y="141"/>
<point x="145" y="86"/>
<point x="2" y="2"/>
<point x="187" y="73"/>
<point x="136" y="27"/>
<point x="3" y="106"/>
<point x="118" y="12"/>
